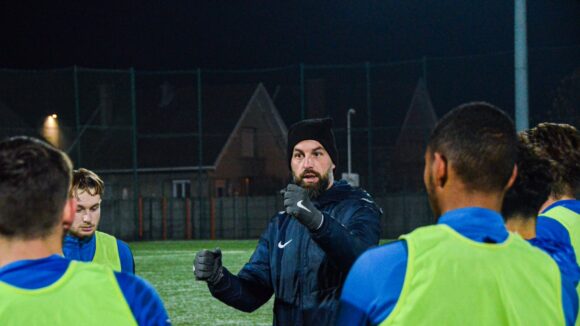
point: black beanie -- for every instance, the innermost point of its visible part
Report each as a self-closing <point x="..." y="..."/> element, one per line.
<point x="313" y="129"/>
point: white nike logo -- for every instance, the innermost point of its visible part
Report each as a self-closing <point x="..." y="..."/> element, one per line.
<point x="299" y="204"/>
<point x="281" y="246"/>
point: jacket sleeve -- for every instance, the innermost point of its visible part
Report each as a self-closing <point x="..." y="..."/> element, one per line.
<point x="344" y="242"/>
<point x="145" y="303"/>
<point x="126" y="256"/>
<point x="252" y="287"/>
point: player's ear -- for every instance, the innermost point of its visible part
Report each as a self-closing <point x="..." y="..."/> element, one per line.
<point x="68" y="213"/>
<point x="440" y="169"/>
<point x="512" y="178"/>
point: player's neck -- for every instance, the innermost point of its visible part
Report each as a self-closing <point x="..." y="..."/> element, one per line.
<point x="526" y="227"/>
<point x="82" y="239"/>
<point x="460" y="197"/>
<point x="12" y="250"/>
<point x="551" y="200"/>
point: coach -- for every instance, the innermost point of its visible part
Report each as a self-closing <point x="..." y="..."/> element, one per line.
<point x="307" y="250"/>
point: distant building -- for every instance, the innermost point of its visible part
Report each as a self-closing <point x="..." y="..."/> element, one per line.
<point x="243" y="146"/>
<point x="408" y="157"/>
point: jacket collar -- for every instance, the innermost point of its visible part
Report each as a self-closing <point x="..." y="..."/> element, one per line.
<point x="69" y="238"/>
<point x="339" y="191"/>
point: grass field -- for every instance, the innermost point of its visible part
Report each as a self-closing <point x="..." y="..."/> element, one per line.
<point x="167" y="265"/>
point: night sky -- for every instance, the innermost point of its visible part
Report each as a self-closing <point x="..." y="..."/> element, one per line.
<point x="252" y="34"/>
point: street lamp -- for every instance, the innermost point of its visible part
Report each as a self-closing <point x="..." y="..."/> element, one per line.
<point x="51" y="130"/>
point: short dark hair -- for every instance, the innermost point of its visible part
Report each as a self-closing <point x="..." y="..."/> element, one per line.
<point x="560" y="145"/>
<point x="87" y="180"/>
<point x="479" y="141"/>
<point x="531" y="187"/>
<point x="34" y="183"/>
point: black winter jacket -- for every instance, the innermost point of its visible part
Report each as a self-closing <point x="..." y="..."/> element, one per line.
<point x="305" y="270"/>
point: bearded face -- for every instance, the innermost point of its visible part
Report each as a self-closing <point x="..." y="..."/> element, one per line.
<point x="312" y="167"/>
<point x="314" y="182"/>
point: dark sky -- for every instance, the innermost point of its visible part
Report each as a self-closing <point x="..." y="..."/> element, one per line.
<point x="174" y="34"/>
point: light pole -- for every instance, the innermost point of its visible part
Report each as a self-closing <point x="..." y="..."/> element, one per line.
<point x="521" y="65"/>
<point x="350" y="111"/>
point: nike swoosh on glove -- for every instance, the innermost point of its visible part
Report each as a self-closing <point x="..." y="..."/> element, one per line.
<point x="298" y="204"/>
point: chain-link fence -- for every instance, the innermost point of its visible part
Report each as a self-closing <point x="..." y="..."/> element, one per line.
<point x="155" y="136"/>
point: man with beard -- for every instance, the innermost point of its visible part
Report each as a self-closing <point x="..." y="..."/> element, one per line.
<point x="306" y="251"/>
<point x="83" y="242"/>
<point x="468" y="269"/>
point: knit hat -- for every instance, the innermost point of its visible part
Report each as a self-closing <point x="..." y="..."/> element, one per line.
<point x="313" y="129"/>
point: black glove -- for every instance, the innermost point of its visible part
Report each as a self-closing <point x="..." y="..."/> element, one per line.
<point x="207" y="266"/>
<point x="298" y="204"/>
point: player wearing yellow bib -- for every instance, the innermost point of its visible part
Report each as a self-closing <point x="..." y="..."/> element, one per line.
<point x="468" y="269"/>
<point x="522" y="204"/>
<point x="559" y="218"/>
<point x="83" y="242"/>
<point x="37" y="285"/>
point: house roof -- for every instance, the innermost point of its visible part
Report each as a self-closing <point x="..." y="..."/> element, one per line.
<point x="262" y="102"/>
<point x="417" y="126"/>
<point x="168" y="125"/>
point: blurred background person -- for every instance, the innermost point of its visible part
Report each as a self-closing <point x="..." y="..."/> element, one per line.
<point x="522" y="204"/>
<point x="559" y="218"/>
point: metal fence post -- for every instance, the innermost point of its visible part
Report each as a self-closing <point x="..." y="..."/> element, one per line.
<point x="140" y="218"/>
<point x="200" y="152"/>
<point x="188" y="223"/>
<point x="424" y="66"/>
<point x="77" y="114"/>
<point x="369" y="129"/>
<point x="221" y="218"/>
<point x="134" y="145"/>
<point x="302" y="95"/>
<point x="235" y="218"/>
<point x="150" y="236"/>
<point x="247" y="218"/>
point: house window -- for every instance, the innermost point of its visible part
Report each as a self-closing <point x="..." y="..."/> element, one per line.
<point x="220" y="188"/>
<point x="181" y="188"/>
<point x="248" y="138"/>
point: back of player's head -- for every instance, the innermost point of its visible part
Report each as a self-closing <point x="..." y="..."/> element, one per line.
<point x="479" y="142"/>
<point x="531" y="187"/>
<point x="34" y="183"/>
<point x="560" y="144"/>
<point x="87" y="180"/>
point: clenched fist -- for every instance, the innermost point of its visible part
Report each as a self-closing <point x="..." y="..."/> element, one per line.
<point x="298" y="204"/>
<point x="207" y="266"/>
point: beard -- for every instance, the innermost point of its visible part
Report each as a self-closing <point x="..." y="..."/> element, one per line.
<point x="314" y="189"/>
